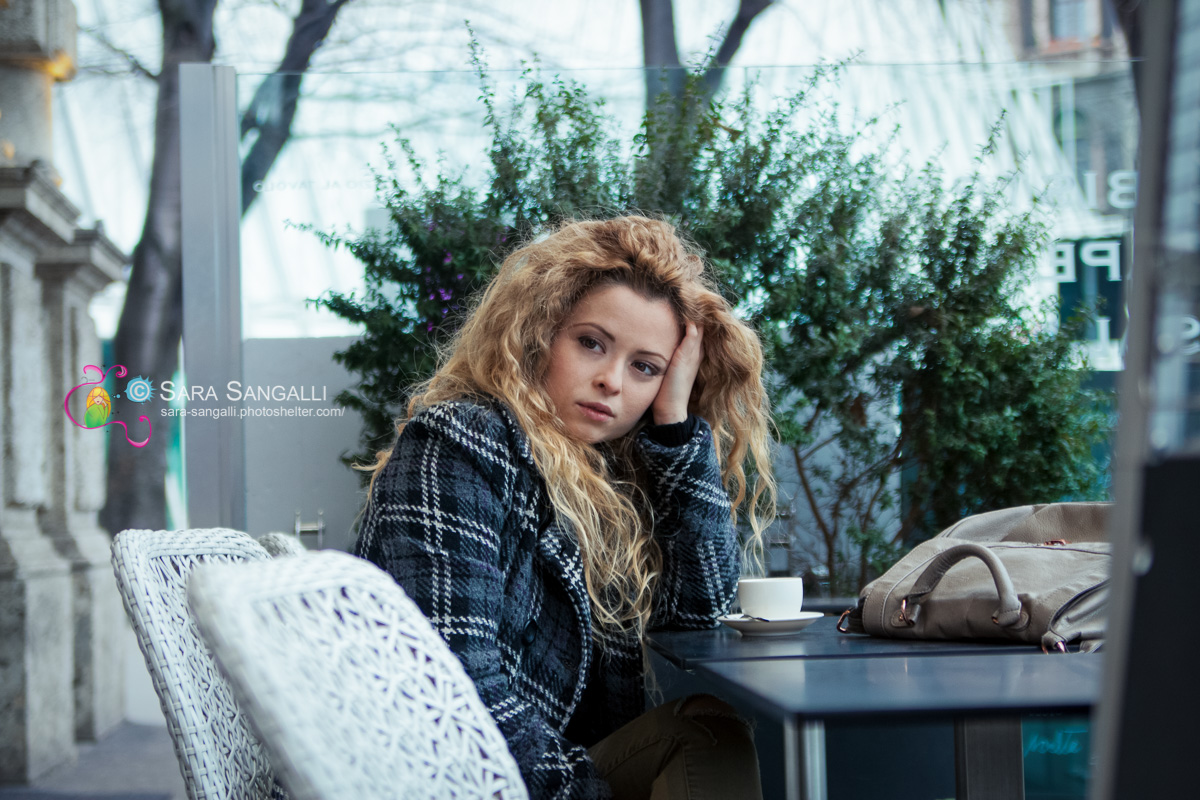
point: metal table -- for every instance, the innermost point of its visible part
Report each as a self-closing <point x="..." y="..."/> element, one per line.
<point x="688" y="649"/>
<point x="819" y="674"/>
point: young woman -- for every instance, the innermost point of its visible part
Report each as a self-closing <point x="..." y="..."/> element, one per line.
<point x="563" y="483"/>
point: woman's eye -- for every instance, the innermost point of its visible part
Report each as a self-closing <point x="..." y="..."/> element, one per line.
<point x="650" y="370"/>
<point x="589" y="342"/>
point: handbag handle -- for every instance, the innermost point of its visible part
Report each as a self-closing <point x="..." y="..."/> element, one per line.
<point x="1009" y="610"/>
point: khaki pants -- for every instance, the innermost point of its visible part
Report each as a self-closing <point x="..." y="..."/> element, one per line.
<point x="693" y="748"/>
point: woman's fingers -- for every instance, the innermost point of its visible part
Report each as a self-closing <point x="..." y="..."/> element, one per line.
<point x="670" y="405"/>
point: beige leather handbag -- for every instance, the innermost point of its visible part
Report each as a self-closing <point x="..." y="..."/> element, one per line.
<point x="1036" y="574"/>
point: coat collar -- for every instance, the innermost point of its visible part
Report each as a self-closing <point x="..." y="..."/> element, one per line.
<point x="521" y="441"/>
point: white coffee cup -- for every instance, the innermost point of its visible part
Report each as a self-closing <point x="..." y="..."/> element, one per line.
<point x="771" y="598"/>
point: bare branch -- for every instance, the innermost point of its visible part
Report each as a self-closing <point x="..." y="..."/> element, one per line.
<point x="811" y="496"/>
<point x="747" y="11"/>
<point x="811" y="424"/>
<point x="273" y="107"/>
<point x="134" y="65"/>
<point x="868" y="510"/>
<point x="909" y="522"/>
<point x="810" y="451"/>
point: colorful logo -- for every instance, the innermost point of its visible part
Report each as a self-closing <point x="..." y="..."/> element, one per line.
<point x="98" y="406"/>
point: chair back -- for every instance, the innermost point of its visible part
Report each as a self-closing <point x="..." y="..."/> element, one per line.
<point x="282" y="544"/>
<point x="351" y="690"/>
<point x="219" y="756"/>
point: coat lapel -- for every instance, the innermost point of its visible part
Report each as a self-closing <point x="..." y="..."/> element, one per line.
<point x="559" y="549"/>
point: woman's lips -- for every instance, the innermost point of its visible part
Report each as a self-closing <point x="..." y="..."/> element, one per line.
<point x="597" y="412"/>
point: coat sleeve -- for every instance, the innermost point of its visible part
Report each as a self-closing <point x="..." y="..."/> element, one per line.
<point x="437" y="513"/>
<point x="694" y="528"/>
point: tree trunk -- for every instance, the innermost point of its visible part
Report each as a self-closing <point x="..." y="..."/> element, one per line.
<point x="147" y="340"/>
<point x="660" y="53"/>
<point x="273" y="107"/>
<point x="151" y="325"/>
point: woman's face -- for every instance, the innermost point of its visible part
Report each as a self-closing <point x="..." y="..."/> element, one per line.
<point x="608" y="360"/>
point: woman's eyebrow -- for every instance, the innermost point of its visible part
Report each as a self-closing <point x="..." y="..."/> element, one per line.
<point x="598" y="327"/>
<point x="652" y="353"/>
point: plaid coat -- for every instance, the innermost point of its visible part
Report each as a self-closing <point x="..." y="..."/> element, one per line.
<point x="460" y="518"/>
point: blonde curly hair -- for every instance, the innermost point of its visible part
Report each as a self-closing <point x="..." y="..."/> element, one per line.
<point x="503" y="349"/>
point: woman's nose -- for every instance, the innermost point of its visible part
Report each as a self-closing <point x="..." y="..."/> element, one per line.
<point x="609" y="378"/>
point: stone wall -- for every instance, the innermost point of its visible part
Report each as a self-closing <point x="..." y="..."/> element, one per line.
<point x="70" y="275"/>
<point x="61" y="671"/>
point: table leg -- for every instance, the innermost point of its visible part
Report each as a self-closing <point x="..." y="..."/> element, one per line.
<point x="989" y="759"/>
<point x="804" y="760"/>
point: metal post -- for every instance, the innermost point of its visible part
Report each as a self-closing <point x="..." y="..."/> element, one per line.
<point x="214" y="455"/>
<point x="804" y="760"/>
<point x="1132" y="553"/>
<point x="988" y="759"/>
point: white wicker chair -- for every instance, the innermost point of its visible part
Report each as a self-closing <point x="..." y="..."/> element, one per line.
<point x="282" y="544"/>
<point x="219" y="756"/>
<point x="351" y="690"/>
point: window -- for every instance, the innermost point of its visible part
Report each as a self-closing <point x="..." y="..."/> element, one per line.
<point x="1068" y="19"/>
<point x="1028" y="41"/>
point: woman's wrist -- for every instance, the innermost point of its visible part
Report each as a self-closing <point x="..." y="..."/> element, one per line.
<point x="670" y="416"/>
<point x="673" y="434"/>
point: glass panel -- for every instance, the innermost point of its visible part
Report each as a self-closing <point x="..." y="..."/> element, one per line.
<point x="1175" y="417"/>
<point x="325" y="177"/>
<point x="1071" y="121"/>
<point x="1067" y="133"/>
<point x="1073" y="139"/>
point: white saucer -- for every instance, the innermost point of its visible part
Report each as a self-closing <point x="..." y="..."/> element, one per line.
<point x="775" y="627"/>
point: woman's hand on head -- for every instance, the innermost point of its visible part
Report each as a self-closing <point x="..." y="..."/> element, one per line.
<point x="671" y="403"/>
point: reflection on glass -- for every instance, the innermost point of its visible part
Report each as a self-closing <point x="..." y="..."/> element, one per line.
<point x="1175" y="416"/>
<point x="1069" y="128"/>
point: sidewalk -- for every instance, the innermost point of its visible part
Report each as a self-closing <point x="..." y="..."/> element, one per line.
<point x="133" y="762"/>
